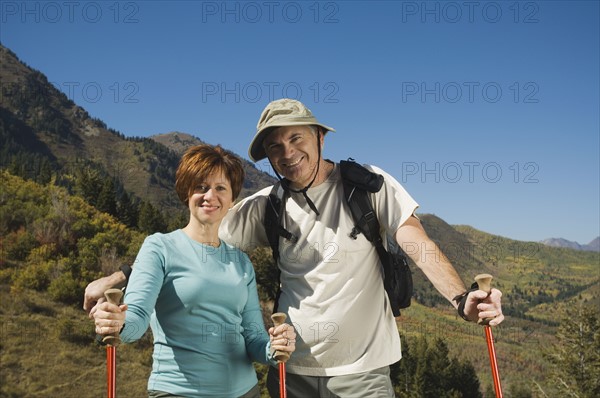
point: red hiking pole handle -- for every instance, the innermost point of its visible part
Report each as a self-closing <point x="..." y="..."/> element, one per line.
<point x="485" y="283"/>
<point x="113" y="296"/>
<point x="281" y="356"/>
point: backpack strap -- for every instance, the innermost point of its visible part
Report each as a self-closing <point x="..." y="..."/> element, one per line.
<point x="358" y="182"/>
<point x="273" y="223"/>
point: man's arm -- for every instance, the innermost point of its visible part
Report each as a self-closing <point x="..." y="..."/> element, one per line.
<point x="94" y="292"/>
<point x="413" y="239"/>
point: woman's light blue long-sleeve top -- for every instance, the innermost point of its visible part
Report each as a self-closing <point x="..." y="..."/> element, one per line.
<point x="202" y="306"/>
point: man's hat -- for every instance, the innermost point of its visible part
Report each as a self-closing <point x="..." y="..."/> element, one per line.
<point x="282" y="112"/>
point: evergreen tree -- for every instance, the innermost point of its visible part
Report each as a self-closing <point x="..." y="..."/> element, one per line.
<point x="106" y="201"/>
<point x="177" y="220"/>
<point x="127" y="210"/>
<point x="426" y="371"/>
<point x="87" y="184"/>
<point x="576" y="355"/>
<point x="402" y="372"/>
<point x="45" y="173"/>
<point x="422" y="376"/>
<point x="150" y="219"/>
<point x="463" y="379"/>
<point x="438" y="370"/>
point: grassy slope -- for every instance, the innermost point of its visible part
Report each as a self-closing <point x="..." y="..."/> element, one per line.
<point x="47" y="349"/>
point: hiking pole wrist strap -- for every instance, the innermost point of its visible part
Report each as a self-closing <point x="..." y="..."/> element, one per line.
<point x="461" y="300"/>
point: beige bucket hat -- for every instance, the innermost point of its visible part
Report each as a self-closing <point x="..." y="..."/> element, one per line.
<point x="278" y="113"/>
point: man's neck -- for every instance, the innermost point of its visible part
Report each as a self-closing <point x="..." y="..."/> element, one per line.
<point x="324" y="171"/>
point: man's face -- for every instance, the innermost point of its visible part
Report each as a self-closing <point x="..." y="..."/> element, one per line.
<point x="294" y="152"/>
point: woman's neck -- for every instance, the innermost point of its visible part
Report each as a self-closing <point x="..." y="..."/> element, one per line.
<point x="205" y="234"/>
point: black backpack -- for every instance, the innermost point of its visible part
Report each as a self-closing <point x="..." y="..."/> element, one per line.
<point x="358" y="182"/>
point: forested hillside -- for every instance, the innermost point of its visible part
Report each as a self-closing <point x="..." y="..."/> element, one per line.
<point x="45" y="135"/>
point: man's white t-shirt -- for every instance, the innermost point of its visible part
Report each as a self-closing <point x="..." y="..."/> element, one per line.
<point x="331" y="284"/>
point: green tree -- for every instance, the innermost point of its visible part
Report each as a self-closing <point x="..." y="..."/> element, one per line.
<point x="267" y="273"/>
<point x="127" y="211"/>
<point x="426" y="371"/>
<point x="576" y="354"/>
<point x="87" y="184"/>
<point x="178" y="219"/>
<point x="402" y="372"/>
<point x="55" y="242"/>
<point x="45" y="172"/>
<point x="150" y="219"/>
<point x="463" y="378"/>
<point x="106" y="201"/>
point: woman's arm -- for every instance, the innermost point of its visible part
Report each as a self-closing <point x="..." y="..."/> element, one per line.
<point x="259" y="344"/>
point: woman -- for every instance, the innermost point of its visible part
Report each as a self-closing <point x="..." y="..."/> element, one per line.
<point x="198" y="293"/>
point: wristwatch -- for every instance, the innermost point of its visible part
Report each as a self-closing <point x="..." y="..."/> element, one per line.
<point x="461" y="300"/>
<point x="126" y="269"/>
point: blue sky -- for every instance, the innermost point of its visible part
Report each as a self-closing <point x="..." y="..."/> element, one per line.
<point x="486" y="111"/>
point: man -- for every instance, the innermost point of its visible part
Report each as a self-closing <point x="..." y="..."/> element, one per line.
<point x="331" y="284"/>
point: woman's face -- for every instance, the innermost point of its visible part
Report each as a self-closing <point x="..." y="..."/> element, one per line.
<point x="211" y="199"/>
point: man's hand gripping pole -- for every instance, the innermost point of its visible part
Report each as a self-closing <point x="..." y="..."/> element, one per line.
<point x="485" y="283"/>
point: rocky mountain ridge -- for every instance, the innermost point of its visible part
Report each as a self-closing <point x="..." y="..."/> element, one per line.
<point x="593" y="246"/>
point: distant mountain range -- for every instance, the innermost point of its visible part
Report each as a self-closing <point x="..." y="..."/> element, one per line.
<point x="593" y="246"/>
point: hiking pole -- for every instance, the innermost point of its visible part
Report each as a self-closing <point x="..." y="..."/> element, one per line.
<point x="281" y="356"/>
<point x="113" y="296"/>
<point x="485" y="283"/>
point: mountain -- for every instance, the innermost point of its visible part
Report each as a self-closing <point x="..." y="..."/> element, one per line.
<point x="45" y="135"/>
<point x="593" y="246"/>
<point x="178" y="142"/>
